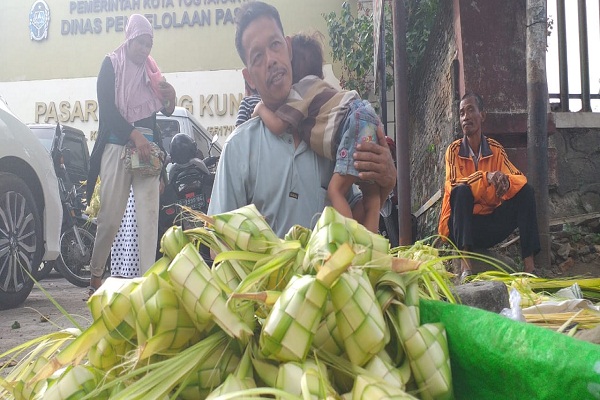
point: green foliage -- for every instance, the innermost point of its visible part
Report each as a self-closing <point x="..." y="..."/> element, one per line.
<point x="576" y="233"/>
<point x="573" y="231"/>
<point x="351" y="41"/>
<point x="420" y="14"/>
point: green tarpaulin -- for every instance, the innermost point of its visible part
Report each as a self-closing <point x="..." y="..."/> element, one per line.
<point x="494" y="357"/>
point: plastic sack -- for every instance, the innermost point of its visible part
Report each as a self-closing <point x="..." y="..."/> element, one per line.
<point x="571" y="292"/>
<point x="564" y="306"/>
<point x="514" y="312"/>
<point x="494" y="357"/>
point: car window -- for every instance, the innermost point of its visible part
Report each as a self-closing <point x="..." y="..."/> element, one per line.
<point x="78" y="161"/>
<point x="201" y="142"/>
<point x="205" y="143"/>
<point x="45" y="136"/>
<point x="168" y="129"/>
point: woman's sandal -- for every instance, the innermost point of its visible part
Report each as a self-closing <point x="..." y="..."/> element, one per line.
<point x="90" y="291"/>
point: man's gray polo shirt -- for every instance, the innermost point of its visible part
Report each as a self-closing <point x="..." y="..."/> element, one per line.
<point x="287" y="184"/>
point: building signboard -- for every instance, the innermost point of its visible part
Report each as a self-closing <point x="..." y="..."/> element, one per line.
<point x="51" y="63"/>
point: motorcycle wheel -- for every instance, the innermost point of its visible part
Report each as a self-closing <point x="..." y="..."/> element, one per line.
<point x="91" y="228"/>
<point x="73" y="264"/>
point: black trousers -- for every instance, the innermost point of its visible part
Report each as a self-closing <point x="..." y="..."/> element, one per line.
<point x="482" y="231"/>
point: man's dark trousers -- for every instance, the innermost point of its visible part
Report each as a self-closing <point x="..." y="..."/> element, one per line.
<point x="469" y="231"/>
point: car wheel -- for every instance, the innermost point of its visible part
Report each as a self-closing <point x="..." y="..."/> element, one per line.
<point x="21" y="240"/>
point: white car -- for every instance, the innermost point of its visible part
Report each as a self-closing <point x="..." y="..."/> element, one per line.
<point x="30" y="208"/>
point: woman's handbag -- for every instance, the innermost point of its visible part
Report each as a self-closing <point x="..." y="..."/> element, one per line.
<point x="135" y="165"/>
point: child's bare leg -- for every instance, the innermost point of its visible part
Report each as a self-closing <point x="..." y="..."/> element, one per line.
<point x="371" y="202"/>
<point x="339" y="185"/>
<point x="366" y="213"/>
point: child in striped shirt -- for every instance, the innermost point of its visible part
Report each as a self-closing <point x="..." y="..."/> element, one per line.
<point x="247" y="105"/>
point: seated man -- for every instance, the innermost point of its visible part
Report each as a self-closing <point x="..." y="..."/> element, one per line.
<point x="485" y="196"/>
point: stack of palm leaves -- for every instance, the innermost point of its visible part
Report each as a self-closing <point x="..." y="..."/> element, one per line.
<point x="590" y="287"/>
<point x="535" y="292"/>
<point x="323" y="313"/>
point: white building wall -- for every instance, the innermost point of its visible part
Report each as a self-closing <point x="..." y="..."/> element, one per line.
<point x="211" y="96"/>
<point x="54" y="79"/>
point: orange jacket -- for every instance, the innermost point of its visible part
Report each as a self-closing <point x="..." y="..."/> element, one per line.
<point x="460" y="169"/>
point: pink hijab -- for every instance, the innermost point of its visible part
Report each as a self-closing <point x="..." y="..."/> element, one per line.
<point x="136" y="87"/>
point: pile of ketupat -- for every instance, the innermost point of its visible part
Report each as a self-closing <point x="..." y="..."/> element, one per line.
<point x="327" y="313"/>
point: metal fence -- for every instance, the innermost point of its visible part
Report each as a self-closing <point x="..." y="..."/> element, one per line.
<point x="566" y="30"/>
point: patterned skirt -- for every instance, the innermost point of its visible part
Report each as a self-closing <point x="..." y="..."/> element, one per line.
<point x="124" y="254"/>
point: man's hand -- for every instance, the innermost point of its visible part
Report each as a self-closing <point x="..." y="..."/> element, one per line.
<point x="375" y="163"/>
<point x="500" y="182"/>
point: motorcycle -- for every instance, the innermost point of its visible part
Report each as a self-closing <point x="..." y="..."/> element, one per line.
<point x="78" y="231"/>
<point x="190" y="186"/>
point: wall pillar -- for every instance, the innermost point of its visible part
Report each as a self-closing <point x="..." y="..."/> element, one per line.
<point x="491" y="51"/>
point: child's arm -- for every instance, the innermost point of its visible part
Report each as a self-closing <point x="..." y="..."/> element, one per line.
<point x="272" y="121"/>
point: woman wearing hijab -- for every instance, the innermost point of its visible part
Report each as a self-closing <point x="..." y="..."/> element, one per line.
<point x="131" y="90"/>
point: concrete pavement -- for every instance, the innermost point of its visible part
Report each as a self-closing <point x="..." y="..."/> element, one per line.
<point x="38" y="316"/>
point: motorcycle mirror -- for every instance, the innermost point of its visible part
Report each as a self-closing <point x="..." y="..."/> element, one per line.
<point x="56" y="140"/>
<point x="214" y="140"/>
